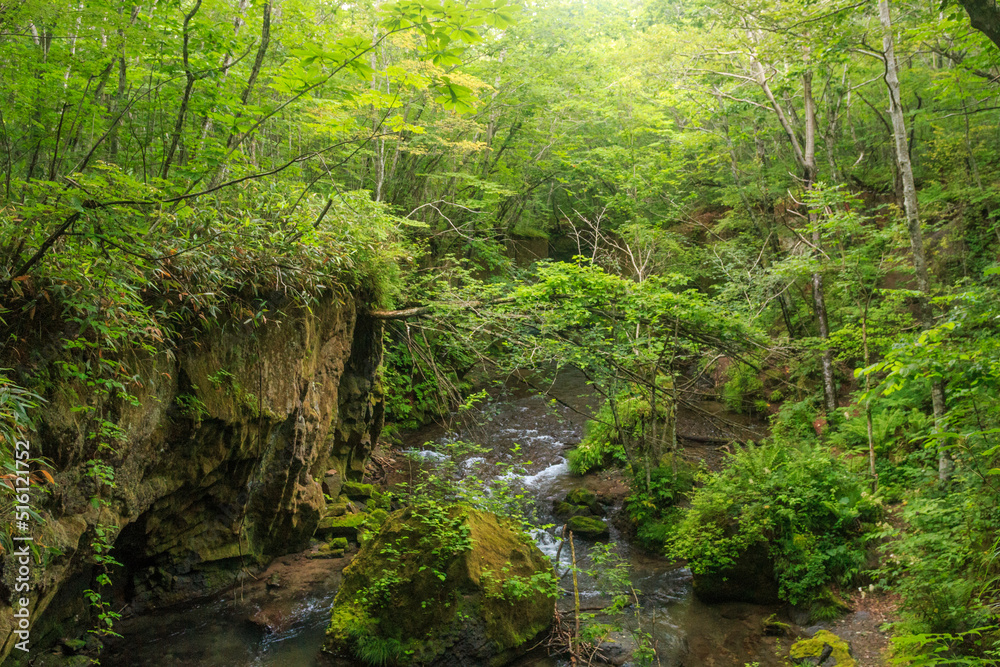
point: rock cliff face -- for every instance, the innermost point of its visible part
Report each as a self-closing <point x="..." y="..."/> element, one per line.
<point x="220" y="467"/>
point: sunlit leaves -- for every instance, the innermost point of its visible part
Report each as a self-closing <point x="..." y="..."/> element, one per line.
<point x="455" y="97"/>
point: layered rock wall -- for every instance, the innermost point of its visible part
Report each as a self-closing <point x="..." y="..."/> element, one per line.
<point x="220" y="466"/>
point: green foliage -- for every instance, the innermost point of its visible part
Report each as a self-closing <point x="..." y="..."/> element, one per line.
<point x="20" y="471"/>
<point x="805" y="505"/>
<point x="611" y="573"/>
<point x="422" y="378"/>
<point x="191" y="407"/>
<point x="606" y="435"/>
<point x="898" y="432"/>
<point x="460" y="475"/>
<point x="795" y="421"/>
<point x="972" y="648"/>
<point x="743" y="390"/>
<point x="626" y="336"/>
<point x="512" y="587"/>
<point x="377" y="651"/>
<point x="937" y="564"/>
<point x="654" y="512"/>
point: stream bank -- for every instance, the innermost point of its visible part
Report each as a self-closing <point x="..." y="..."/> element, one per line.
<point x="279" y="622"/>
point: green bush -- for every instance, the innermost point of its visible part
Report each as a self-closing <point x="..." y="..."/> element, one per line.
<point x="653" y="511"/>
<point x="938" y="563"/>
<point x="896" y="432"/>
<point x="803" y="503"/>
<point x="744" y="390"/>
<point x="604" y="441"/>
<point x="794" y="421"/>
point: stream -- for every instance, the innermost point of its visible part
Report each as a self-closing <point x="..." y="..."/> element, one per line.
<point x="228" y="631"/>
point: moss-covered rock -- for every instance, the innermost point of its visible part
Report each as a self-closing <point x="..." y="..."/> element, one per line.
<point x="336" y="509"/>
<point x="588" y="527"/>
<point x="341" y="526"/>
<point x="586" y="498"/>
<point x="824" y="648"/>
<point x="357" y="490"/>
<point x="565" y="510"/>
<point x="329" y="550"/>
<point x="442" y="588"/>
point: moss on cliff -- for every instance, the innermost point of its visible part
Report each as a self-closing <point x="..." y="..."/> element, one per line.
<point x="212" y="476"/>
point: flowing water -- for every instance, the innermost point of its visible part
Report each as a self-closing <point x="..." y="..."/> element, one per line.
<point x="683" y="630"/>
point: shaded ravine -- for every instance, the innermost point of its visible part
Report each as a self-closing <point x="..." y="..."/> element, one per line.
<point x="282" y="625"/>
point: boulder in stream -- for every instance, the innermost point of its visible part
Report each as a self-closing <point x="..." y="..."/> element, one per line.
<point x="443" y="587"/>
<point x="587" y="498"/>
<point x="579" y="502"/>
<point x="824" y="648"/>
<point x="588" y="527"/>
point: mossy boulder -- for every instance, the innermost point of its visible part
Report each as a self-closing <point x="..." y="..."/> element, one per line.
<point x="357" y="490"/>
<point x="328" y="550"/>
<point x="585" y="498"/>
<point x="588" y="527"/>
<point x="336" y="509"/>
<point x="566" y="510"/>
<point x="341" y="526"/>
<point x="824" y="648"/>
<point x="443" y="587"/>
<point x="750" y="578"/>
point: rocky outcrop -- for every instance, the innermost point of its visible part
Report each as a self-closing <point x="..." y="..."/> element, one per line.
<point x="442" y="588"/>
<point x="221" y="463"/>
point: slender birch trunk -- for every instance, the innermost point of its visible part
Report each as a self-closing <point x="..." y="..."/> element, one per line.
<point x="805" y="157"/>
<point x="912" y="215"/>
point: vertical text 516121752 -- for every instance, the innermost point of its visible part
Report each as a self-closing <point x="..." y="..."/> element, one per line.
<point x="20" y="600"/>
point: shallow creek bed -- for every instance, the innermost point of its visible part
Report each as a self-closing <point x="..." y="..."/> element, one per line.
<point x="278" y="617"/>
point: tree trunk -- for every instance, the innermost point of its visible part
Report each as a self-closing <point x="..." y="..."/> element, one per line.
<point x="912" y="215"/>
<point x="985" y="17"/>
<point x="809" y="173"/>
<point x="186" y="97"/>
<point x="805" y="157"/>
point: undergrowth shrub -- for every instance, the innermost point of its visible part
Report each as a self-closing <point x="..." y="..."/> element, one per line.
<point x="605" y="438"/>
<point x="654" y="511"/>
<point x="744" y="389"/>
<point x="897" y="432"/>
<point x="422" y="380"/>
<point x="794" y="421"/>
<point x="809" y="509"/>
<point x="944" y="564"/>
